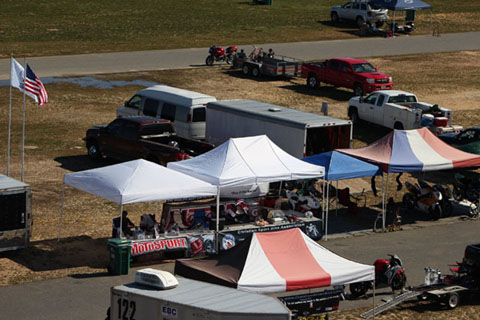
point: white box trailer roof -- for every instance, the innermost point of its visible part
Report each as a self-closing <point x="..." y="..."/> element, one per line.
<point x="177" y="96"/>
<point x="192" y="300"/>
<point x="297" y="132"/>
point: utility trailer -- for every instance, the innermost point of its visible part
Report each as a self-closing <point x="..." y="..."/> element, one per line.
<point x="299" y="133"/>
<point x="15" y="214"/>
<point x="270" y="66"/>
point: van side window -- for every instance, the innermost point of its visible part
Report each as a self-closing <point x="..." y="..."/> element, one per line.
<point x="134" y="102"/>
<point x="199" y="115"/>
<point x="168" y="112"/>
<point x="150" y="107"/>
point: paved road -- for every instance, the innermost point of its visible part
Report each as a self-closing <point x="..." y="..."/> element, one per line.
<point x="87" y="64"/>
<point x="88" y="297"/>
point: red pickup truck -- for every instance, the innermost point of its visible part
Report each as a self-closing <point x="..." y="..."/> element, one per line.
<point x="355" y="74"/>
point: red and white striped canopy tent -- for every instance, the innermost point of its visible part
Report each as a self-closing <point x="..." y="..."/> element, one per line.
<point x="276" y="262"/>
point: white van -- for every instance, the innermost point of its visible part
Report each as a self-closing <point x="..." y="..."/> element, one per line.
<point x="186" y="109"/>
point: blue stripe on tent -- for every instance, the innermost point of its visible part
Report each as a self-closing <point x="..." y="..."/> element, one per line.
<point x="339" y="166"/>
<point x="403" y="159"/>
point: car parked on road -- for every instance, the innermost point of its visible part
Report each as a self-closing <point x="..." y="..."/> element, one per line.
<point x="359" y="12"/>
<point x="468" y="140"/>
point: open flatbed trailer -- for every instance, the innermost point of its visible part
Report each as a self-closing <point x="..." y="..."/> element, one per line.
<point x="270" y="66"/>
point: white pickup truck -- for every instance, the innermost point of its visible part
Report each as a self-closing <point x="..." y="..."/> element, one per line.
<point x="400" y="110"/>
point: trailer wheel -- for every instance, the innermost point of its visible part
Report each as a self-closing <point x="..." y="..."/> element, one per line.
<point x="256" y="72"/>
<point x="358" y="90"/>
<point x="246" y="70"/>
<point x="312" y="81"/>
<point x="398" y="126"/>
<point x="358" y="289"/>
<point x="453" y="299"/>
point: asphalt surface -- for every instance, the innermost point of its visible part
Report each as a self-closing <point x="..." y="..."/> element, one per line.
<point x="101" y="63"/>
<point x="436" y="244"/>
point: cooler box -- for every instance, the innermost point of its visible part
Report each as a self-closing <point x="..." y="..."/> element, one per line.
<point x="427" y="120"/>
<point x="441" y="121"/>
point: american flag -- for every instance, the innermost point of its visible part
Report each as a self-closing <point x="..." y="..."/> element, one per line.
<point x="34" y="86"/>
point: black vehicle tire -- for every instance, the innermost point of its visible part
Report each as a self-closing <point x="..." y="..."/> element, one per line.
<point x="358" y="90"/>
<point x="256" y="72"/>
<point x="94" y="150"/>
<point x="209" y="61"/>
<point x="422" y="297"/>
<point x="398" y="281"/>
<point x="334" y="17"/>
<point x="358" y="289"/>
<point x="398" y="126"/>
<point x="408" y="201"/>
<point x="473" y="210"/>
<point x="359" y="21"/>
<point x="453" y="300"/>
<point x="246" y="70"/>
<point x="378" y="24"/>
<point x="229" y="59"/>
<point x="353" y="115"/>
<point x="436" y="212"/>
<point x="312" y="81"/>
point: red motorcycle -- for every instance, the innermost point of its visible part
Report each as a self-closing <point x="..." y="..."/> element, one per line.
<point x="387" y="272"/>
<point x="220" y="54"/>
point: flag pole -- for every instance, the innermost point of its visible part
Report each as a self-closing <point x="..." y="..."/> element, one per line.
<point x="23" y="119"/>
<point x="9" y="117"/>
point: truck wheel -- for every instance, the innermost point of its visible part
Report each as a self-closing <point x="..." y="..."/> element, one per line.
<point x="357" y="90"/>
<point x="256" y="72"/>
<point x="334" y="17"/>
<point x="359" y="21"/>
<point x="312" y="81"/>
<point x="94" y="151"/>
<point x="246" y="70"/>
<point x="209" y="60"/>
<point x="453" y="299"/>
<point x="398" y="126"/>
<point x="358" y="289"/>
<point x="353" y="115"/>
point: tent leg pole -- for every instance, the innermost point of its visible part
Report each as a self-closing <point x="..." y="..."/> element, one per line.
<point x="393" y="25"/>
<point x="385" y="211"/>
<point x="323" y="207"/>
<point x="280" y="189"/>
<point x="61" y="212"/>
<point x="373" y="299"/>
<point x="326" y="215"/>
<point x="217" y="227"/>
<point x="383" y="199"/>
<point x="336" y="199"/>
<point x="121" y="222"/>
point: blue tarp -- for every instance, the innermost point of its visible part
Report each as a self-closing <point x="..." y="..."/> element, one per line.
<point x="399" y="5"/>
<point x="339" y="166"/>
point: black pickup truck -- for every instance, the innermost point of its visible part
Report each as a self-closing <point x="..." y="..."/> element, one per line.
<point x="130" y="138"/>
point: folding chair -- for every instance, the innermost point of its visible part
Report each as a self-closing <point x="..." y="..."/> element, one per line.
<point x="350" y="201"/>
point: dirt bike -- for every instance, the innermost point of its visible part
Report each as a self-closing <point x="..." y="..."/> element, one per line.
<point x="220" y="54"/>
<point x="388" y="272"/>
<point x="424" y="198"/>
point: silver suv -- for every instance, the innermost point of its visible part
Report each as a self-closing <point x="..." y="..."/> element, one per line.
<point x="359" y="12"/>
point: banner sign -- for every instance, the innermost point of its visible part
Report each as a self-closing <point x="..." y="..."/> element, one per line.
<point x="150" y="246"/>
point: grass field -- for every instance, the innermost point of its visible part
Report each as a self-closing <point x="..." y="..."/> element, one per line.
<point x="67" y="27"/>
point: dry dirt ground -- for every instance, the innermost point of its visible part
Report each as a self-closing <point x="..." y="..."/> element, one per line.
<point x="54" y="147"/>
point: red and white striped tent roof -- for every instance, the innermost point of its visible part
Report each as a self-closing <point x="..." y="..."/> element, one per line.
<point x="276" y="262"/>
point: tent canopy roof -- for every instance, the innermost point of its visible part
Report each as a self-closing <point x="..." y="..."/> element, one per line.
<point x="139" y="181"/>
<point x="276" y="262"/>
<point x="399" y="5"/>
<point x="413" y="151"/>
<point x="339" y="166"/>
<point x="247" y="161"/>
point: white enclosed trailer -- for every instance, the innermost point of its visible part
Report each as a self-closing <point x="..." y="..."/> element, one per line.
<point x="299" y="133"/>
<point x="15" y="214"/>
<point x="192" y="300"/>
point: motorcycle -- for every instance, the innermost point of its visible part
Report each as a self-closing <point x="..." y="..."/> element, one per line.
<point x="220" y="54"/>
<point x="388" y="272"/>
<point x="424" y="198"/>
<point x="466" y="190"/>
<point x="303" y="202"/>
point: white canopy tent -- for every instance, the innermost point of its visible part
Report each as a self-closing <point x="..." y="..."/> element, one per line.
<point x="137" y="181"/>
<point x="246" y="161"/>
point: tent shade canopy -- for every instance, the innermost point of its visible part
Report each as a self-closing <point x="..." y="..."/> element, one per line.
<point x="413" y="151"/>
<point x="339" y="166"/>
<point x="277" y="261"/>
<point x="247" y="161"/>
<point x="400" y="5"/>
<point x="139" y="181"/>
